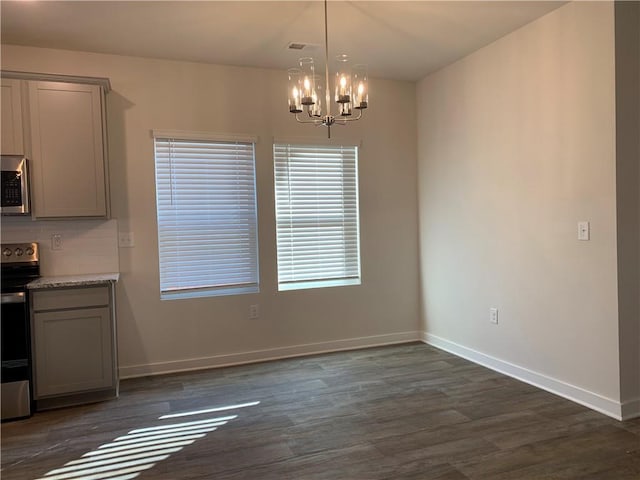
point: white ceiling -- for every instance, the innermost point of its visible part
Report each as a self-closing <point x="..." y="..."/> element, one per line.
<point x="397" y="39"/>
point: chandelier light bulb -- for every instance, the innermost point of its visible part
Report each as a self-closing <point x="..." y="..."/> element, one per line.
<point x="361" y="93"/>
<point x="316" y="96"/>
<point x="294" y="93"/>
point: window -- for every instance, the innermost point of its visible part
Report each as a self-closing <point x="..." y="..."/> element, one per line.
<point x="207" y="225"/>
<point x="316" y="215"/>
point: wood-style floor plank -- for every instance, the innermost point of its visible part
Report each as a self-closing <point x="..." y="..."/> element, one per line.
<point x="401" y="412"/>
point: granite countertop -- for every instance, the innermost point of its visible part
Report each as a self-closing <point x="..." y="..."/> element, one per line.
<point x="73" y="280"/>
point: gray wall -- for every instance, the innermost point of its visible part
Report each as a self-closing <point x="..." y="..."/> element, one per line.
<point x="627" y="19"/>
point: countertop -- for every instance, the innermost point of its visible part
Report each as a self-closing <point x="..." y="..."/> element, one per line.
<point x="73" y="280"/>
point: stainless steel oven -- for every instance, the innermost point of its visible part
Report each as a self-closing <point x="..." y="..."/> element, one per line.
<point x="20" y="266"/>
<point x="14" y="185"/>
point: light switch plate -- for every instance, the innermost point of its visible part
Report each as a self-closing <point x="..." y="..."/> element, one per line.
<point x="125" y="240"/>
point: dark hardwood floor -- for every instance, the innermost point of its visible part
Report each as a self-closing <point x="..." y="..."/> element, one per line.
<point x="399" y="412"/>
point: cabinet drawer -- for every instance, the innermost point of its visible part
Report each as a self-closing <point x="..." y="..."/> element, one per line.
<point x="57" y="299"/>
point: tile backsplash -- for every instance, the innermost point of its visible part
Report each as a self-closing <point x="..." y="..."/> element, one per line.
<point x="88" y="246"/>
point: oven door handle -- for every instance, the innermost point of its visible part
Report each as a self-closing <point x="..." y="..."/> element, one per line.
<point x="17" y="297"/>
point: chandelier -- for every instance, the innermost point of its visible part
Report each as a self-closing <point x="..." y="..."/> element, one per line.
<point x="306" y="89"/>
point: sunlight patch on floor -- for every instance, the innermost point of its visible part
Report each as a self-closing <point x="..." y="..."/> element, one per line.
<point x="127" y="456"/>
<point x="209" y="410"/>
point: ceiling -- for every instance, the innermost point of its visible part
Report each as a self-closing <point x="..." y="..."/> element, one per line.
<point x="397" y="39"/>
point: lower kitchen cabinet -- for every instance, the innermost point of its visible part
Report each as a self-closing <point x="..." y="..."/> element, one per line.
<point x="73" y="345"/>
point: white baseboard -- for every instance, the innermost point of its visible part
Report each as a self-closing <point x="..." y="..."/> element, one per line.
<point x="132" y="371"/>
<point x="607" y="406"/>
<point x="631" y="409"/>
<point x="604" y="405"/>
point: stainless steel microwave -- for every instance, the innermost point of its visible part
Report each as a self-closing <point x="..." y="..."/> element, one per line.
<point x="14" y="189"/>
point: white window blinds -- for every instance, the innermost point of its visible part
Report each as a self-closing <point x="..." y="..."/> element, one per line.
<point x="207" y="226"/>
<point x="317" y="226"/>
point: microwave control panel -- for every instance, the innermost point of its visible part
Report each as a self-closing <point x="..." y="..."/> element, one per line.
<point x="11" y="189"/>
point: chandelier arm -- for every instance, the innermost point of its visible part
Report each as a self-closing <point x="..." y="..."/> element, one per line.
<point x="353" y="119"/>
<point x="315" y="122"/>
<point x="344" y="120"/>
<point x="315" y="118"/>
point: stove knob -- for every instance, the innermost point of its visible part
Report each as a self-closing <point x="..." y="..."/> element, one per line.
<point x="19" y="252"/>
<point x="29" y="251"/>
<point x="7" y="252"/>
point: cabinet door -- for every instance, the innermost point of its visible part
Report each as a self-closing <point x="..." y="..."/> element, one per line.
<point x="68" y="164"/>
<point x="73" y="351"/>
<point x="11" y="104"/>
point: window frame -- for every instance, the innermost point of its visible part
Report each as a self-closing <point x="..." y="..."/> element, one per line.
<point x="353" y="208"/>
<point x="251" y="205"/>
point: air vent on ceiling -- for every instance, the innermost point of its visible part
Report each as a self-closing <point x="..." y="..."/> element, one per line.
<point x="302" y="46"/>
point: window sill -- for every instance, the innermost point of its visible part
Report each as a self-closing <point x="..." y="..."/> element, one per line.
<point x="342" y="282"/>
<point x="208" y="292"/>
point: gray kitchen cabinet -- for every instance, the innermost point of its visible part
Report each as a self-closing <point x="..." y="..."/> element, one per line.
<point x="74" y="354"/>
<point x="67" y="149"/>
<point x="11" y="105"/>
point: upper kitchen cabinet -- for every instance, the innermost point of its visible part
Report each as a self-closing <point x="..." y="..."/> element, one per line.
<point x="11" y="105"/>
<point x="67" y="130"/>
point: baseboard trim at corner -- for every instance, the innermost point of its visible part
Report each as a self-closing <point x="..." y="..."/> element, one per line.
<point x="631" y="409"/>
<point x="161" y="368"/>
<point x="586" y="398"/>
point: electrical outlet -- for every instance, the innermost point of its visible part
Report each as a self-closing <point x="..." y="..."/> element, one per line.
<point x="125" y="240"/>
<point x="254" y="312"/>
<point x="56" y="241"/>
<point x="493" y="315"/>
<point x="584" y="231"/>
